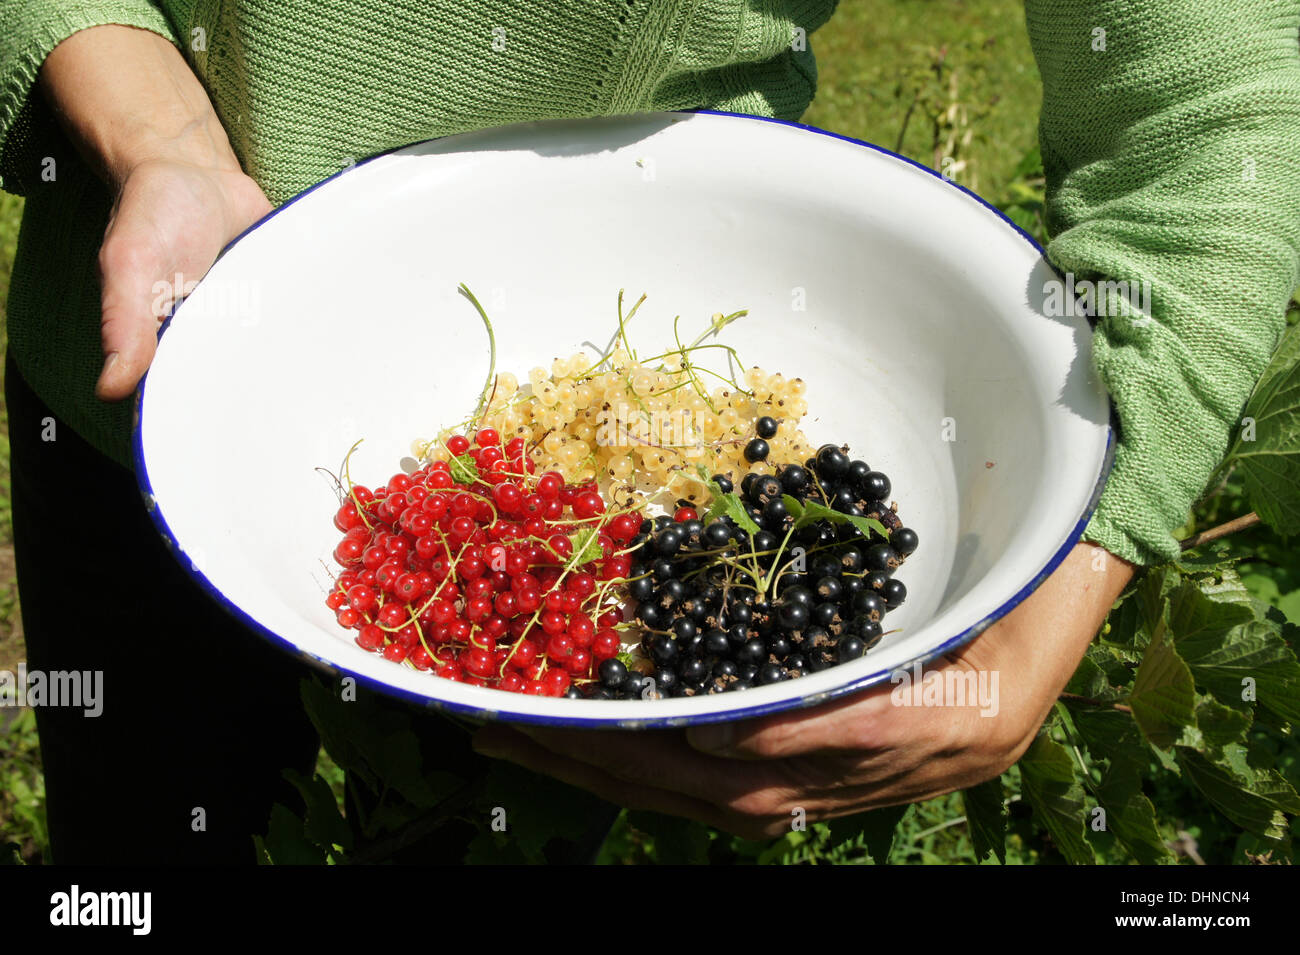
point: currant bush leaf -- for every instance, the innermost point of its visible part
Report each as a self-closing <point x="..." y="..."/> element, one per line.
<point x="875" y="829"/>
<point x="1112" y="736"/>
<point x="677" y="841"/>
<point x="986" y="819"/>
<point x="1270" y="463"/>
<point x="811" y="512"/>
<point x="286" y="842"/>
<point x="1131" y="817"/>
<point x="736" y="511"/>
<point x="463" y="469"/>
<point x="1252" y="799"/>
<point x="1164" y="696"/>
<point x="1250" y="655"/>
<point x="586" y="546"/>
<point x="1050" y="783"/>
<point x="324" y="824"/>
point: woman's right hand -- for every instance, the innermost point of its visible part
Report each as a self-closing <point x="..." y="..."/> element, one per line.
<point x="170" y="221"/>
<point x="143" y="121"/>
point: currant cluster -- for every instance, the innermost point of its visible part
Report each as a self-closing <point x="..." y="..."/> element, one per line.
<point x="483" y="571"/>
<point x="623" y="420"/>
<point x="725" y="609"/>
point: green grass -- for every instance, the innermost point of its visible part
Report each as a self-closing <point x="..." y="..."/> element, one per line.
<point x="867" y="56"/>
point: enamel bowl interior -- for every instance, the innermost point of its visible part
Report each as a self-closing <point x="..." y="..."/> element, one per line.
<point x="912" y="310"/>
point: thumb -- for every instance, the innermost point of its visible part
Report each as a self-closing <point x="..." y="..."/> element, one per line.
<point x="133" y="285"/>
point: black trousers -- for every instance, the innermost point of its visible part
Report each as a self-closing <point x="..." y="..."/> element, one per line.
<point x="200" y="717"/>
<point x="198" y="713"/>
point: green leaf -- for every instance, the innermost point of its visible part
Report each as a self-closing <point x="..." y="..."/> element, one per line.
<point x="876" y="829"/>
<point x="325" y="824"/>
<point x="1254" y="800"/>
<point x="1253" y="652"/>
<point x="677" y="841"/>
<point x="1270" y="464"/>
<point x="1150" y="599"/>
<point x="1113" y="736"/>
<point x="986" y="819"/>
<point x="1194" y="613"/>
<point x="463" y="469"/>
<point x="1164" y="696"/>
<point x="734" y="509"/>
<point x="1221" y="725"/>
<point x="1051" y="785"/>
<point x="1131" y="817"/>
<point x="537" y="809"/>
<point x="810" y="512"/>
<point x="1211" y="558"/>
<point x="374" y="742"/>
<point x="1101" y="675"/>
<point x="586" y="546"/>
<point x="286" y="842"/>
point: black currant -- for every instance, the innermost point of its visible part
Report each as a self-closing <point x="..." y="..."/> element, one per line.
<point x="779" y="646"/>
<point x="694" y="672"/>
<point x="850" y="649"/>
<point x="717" y="534"/>
<point x="766" y="427"/>
<point x="894" y="593"/>
<point x="793" y="616"/>
<point x="869" y="604"/>
<point x="641" y="588"/>
<point x="881" y="557"/>
<point x="716" y="643"/>
<point x="874" y="486"/>
<point x="904" y="540"/>
<point x="771" y="673"/>
<point x="774" y="514"/>
<point x="757" y="450"/>
<point x="795" y="593"/>
<point x="832" y="464"/>
<point x="823" y="615"/>
<point x="739" y="613"/>
<point x="828" y="588"/>
<point x="612" y="673"/>
<point x="764" y="488"/>
<point x="663" y="649"/>
<point x="724" y="483"/>
<point x="794" y="480"/>
<point x="652" y="617"/>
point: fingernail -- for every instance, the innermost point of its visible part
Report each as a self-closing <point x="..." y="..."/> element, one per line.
<point x="109" y="362"/>
<point x="712" y="738"/>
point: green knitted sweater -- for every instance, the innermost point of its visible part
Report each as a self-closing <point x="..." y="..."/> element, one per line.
<point x="1149" y="132"/>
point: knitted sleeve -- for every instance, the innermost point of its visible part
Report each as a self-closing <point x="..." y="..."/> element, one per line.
<point x="29" y="30"/>
<point x="1170" y="135"/>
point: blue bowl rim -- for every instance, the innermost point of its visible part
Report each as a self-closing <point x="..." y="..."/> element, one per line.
<point x="484" y="713"/>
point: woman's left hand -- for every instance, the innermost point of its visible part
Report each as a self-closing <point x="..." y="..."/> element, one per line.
<point x="752" y="778"/>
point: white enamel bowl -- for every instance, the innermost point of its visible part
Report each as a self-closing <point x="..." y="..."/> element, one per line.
<point x="913" y="311"/>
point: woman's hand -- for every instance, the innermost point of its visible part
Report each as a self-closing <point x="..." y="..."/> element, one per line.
<point x="751" y="778"/>
<point x="141" y="118"/>
<point x="170" y="221"/>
